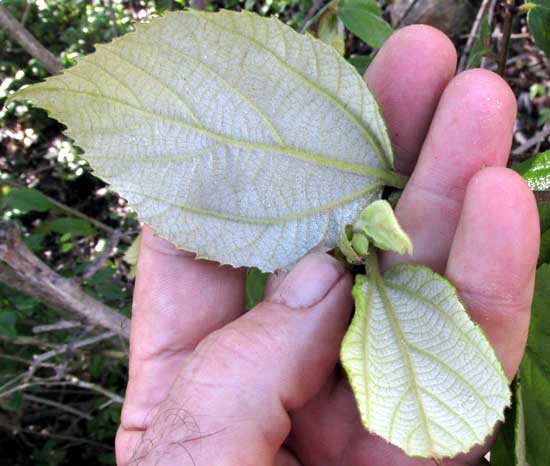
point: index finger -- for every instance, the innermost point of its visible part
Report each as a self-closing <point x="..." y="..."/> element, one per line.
<point x="178" y="300"/>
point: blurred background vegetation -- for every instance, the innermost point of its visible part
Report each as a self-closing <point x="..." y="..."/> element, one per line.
<point x="61" y="378"/>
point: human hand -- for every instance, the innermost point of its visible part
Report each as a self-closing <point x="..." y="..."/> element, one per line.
<point x="210" y="385"/>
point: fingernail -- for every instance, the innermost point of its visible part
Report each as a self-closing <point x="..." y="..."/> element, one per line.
<point x="309" y="282"/>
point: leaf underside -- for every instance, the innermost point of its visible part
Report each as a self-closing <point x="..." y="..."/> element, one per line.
<point x="424" y="376"/>
<point x="230" y="134"/>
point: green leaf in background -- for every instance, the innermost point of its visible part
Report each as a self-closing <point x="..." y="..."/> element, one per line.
<point x="509" y="446"/>
<point x="536" y="171"/>
<point x="544" y="254"/>
<point x="361" y="62"/>
<point x="255" y="286"/>
<point x="424" y="375"/>
<point x="363" y="18"/>
<point x="534" y="374"/>
<point x="544" y="216"/>
<point x="8" y="319"/>
<point x="331" y="29"/>
<point x="67" y="226"/>
<point x="27" y="200"/>
<point x="224" y="131"/>
<point x="131" y="255"/>
<point x="538" y="20"/>
<point x="480" y="48"/>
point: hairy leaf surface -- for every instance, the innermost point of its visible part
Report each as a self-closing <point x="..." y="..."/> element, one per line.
<point x="232" y="135"/>
<point x="424" y="376"/>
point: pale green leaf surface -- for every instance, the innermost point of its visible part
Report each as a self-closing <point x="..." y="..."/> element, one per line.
<point x="424" y="375"/>
<point x="379" y="223"/>
<point x="232" y="135"/>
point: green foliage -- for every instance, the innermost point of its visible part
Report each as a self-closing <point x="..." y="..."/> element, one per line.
<point x="509" y="446"/>
<point x="330" y="28"/>
<point x="69" y="226"/>
<point x="538" y="19"/>
<point x="536" y="171"/>
<point x="255" y="286"/>
<point x="7" y="323"/>
<point x="26" y="200"/>
<point x="361" y="62"/>
<point x="481" y="47"/>
<point x="363" y="18"/>
<point x="534" y="374"/>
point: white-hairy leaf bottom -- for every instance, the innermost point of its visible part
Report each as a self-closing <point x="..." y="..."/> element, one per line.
<point x="424" y="375"/>
<point x="230" y="134"/>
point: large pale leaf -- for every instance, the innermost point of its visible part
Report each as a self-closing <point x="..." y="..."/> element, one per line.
<point x="232" y="135"/>
<point x="424" y="376"/>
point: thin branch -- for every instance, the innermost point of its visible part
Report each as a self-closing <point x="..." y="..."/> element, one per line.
<point x="533" y="141"/>
<point x="25" y="341"/>
<point x="41" y="282"/>
<point x="55" y="404"/>
<point x="38" y="360"/>
<point x="16" y="429"/>
<point x="95" y="388"/>
<point x="542" y="196"/>
<point x="472" y="36"/>
<point x="102" y="258"/>
<point x="69" y="210"/>
<point x="506" y="33"/>
<point x="69" y="381"/>
<point x="317" y="4"/>
<point x="406" y="13"/>
<point x="491" y="17"/>
<point x="60" y="325"/>
<point x="24" y="38"/>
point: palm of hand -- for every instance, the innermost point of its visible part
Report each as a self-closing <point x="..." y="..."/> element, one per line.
<point x="226" y="401"/>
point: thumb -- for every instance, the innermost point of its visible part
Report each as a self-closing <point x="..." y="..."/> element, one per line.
<point x="229" y="404"/>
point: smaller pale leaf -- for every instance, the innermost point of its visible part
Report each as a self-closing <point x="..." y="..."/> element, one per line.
<point x="424" y="376"/>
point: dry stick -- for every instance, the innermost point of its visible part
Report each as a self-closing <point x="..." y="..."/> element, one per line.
<point x="310" y="15"/>
<point x="491" y="17"/>
<point x="54" y="290"/>
<point x="14" y="429"/>
<point x="70" y="380"/>
<point x="24" y="38"/>
<point x="55" y="404"/>
<point x="407" y="11"/>
<point x="540" y="136"/>
<point x="60" y="325"/>
<point x="472" y="36"/>
<point x="542" y="196"/>
<point x="102" y="258"/>
<point x="506" y="33"/>
<point x="38" y="360"/>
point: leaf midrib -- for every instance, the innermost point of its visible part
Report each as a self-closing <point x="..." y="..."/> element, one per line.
<point x="376" y="280"/>
<point x="261" y="221"/>
<point x="388" y="176"/>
